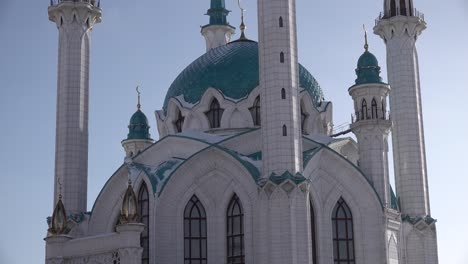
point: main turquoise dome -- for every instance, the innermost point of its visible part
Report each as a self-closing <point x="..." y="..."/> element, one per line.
<point x="233" y="70"/>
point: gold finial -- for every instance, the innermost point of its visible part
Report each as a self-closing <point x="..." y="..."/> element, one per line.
<point x="138" y="91"/>
<point x="366" y="45"/>
<point x="60" y="188"/>
<point x="242" y="25"/>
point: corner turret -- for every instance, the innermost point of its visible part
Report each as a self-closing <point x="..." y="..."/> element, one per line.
<point x="218" y="32"/>
<point x="138" y="137"/>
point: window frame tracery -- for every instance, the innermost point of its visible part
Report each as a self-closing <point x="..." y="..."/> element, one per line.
<point x="235" y="255"/>
<point x="342" y="218"/>
<point x="214" y="114"/>
<point x="255" y="112"/>
<point x="143" y="211"/>
<point x="199" y="235"/>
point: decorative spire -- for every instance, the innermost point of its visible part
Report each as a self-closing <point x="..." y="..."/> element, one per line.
<point x="59" y="217"/>
<point x="366" y="45"/>
<point x="129" y="212"/>
<point x="242" y="25"/>
<point x="138" y="91"/>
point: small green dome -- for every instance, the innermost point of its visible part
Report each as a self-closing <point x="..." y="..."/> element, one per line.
<point x="368" y="70"/>
<point x="233" y="70"/>
<point x="138" y="127"/>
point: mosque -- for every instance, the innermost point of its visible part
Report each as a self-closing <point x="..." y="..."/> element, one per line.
<point x="247" y="168"/>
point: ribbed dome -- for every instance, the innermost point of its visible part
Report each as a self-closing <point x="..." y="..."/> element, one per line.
<point x="233" y="70"/>
<point x="138" y="127"/>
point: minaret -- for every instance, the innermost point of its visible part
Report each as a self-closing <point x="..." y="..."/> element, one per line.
<point x="218" y="32"/>
<point x="74" y="20"/>
<point x="371" y="123"/>
<point x="279" y="82"/>
<point x="399" y="27"/>
<point x="138" y="138"/>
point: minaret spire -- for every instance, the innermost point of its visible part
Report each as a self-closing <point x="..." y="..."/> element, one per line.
<point x="242" y="25"/>
<point x="217" y="32"/>
<point x="138" y="91"/>
<point x="366" y="45"/>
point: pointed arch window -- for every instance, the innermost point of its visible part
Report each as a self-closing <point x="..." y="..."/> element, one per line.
<point x="383" y="109"/>
<point x="195" y="246"/>
<point x="313" y="234"/>
<point x="214" y="114"/>
<point x="304" y="116"/>
<point x="179" y="123"/>
<point x="343" y="235"/>
<point x="364" y="114"/>
<point x="283" y="93"/>
<point x="374" y="110"/>
<point x="392" y="8"/>
<point x="255" y="112"/>
<point x="143" y="211"/>
<point x="403" y="8"/>
<point x="281" y="22"/>
<point x="235" y="232"/>
<point x="282" y="57"/>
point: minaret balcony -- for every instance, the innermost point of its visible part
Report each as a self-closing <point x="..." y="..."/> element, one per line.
<point x="414" y="13"/>
<point x="96" y="3"/>
<point x="368" y="116"/>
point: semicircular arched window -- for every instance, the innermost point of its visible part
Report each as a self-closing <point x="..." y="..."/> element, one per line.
<point x="143" y="211"/>
<point x="195" y="246"/>
<point x="235" y="232"/>
<point x="214" y="114"/>
<point x="343" y="235"/>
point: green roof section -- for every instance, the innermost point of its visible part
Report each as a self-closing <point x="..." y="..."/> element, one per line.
<point x="218" y="13"/>
<point x="138" y="127"/>
<point x="232" y="69"/>
<point x="368" y="70"/>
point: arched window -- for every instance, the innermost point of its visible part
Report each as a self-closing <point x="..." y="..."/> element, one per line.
<point x="403" y="7"/>
<point x="179" y="123"/>
<point x="195" y="251"/>
<point x="392" y="8"/>
<point x="214" y="114"/>
<point x="313" y="234"/>
<point x="282" y="57"/>
<point x="343" y="235"/>
<point x="285" y="130"/>
<point x="364" y="114"/>
<point x="283" y="93"/>
<point x="303" y="120"/>
<point x="235" y="232"/>
<point x="143" y="211"/>
<point x="281" y="22"/>
<point x="384" y="110"/>
<point x="374" y="110"/>
<point x="255" y="112"/>
<point x="411" y="13"/>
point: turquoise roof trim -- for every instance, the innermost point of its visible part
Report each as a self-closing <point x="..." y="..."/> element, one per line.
<point x="278" y="179"/>
<point x="233" y="70"/>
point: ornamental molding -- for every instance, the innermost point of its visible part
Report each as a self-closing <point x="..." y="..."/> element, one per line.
<point x="80" y="13"/>
<point x="399" y="26"/>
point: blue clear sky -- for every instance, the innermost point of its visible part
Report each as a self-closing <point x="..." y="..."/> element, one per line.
<point x="150" y="42"/>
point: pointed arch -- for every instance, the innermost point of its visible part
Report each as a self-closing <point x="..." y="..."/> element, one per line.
<point x="235" y="232"/>
<point x="195" y="237"/>
<point x="143" y="211"/>
<point x="214" y="114"/>
<point x="283" y="93"/>
<point x="313" y="233"/>
<point x="179" y="122"/>
<point x="374" y="110"/>
<point x="364" y="113"/>
<point x="280" y="22"/>
<point x="393" y="8"/>
<point x="343" y="234"/>
<point x="282" y="57"/>
<point x="403" y="8"/>
<point x="255" y="112"/>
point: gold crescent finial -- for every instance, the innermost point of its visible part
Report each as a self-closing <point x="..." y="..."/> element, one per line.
<point x="138" y="91"/>
<point x="242" y="25"/>
<point x="366" y="45"/>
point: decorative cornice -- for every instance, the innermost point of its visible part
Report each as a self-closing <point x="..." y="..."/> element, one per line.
<point x="399" y="26"/>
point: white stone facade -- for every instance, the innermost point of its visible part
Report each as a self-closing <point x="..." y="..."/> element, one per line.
<point x="304" y="196"/>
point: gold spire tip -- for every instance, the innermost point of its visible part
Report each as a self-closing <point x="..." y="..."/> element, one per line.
<point x="242" y="25"/>
<point x="366" y="44"/>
